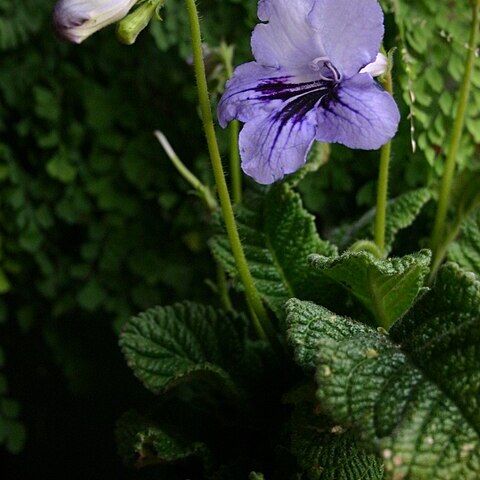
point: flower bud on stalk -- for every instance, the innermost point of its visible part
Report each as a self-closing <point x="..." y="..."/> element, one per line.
<point x="378" y="67"/>
<point x="131" y="26"/>
<point x="75" y="20"/>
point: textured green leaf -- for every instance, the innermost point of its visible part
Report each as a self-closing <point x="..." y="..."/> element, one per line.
<point x="278" y="235"/>
<point x="387" y="288"/>
<point x="326" y="451"/>
<point x="141" y="442"/>
<point x="466" y="250"/>
<point x="401" y="213"/>
<point x="304" y="323"/>
<point x="441" y="335"/>
<point x="166" y="346"/>
<point x="412" y="394"/>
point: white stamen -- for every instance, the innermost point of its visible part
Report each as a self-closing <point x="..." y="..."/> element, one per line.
<point x="324" y="78"/>
<point x="315" y="64"/>
<point x="324" y="62"/>
<point x="336" y="74"/>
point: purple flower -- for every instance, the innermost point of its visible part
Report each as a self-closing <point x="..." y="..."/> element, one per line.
<point x="311" y="80"/>
<point x="75" y="20"/>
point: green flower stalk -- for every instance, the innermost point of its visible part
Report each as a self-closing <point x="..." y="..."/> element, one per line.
<point x="382" y="189"/>
<point x="260" y="317"/>
<point x="202" y="190"/>
<point x="233" y="130"/>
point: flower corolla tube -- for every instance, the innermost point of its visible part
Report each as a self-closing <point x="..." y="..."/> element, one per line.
<point x="75" y="20"/>
<point x="312" y="79"/>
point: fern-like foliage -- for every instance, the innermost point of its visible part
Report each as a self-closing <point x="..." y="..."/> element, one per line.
<point x="434" y="38"/>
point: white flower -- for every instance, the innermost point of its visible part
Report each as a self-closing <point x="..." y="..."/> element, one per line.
<point x="75" y="20"/>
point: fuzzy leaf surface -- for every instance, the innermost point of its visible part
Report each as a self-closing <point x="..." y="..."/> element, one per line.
<point x="166" y="346"/>
<point x="401" y="213"/>
<point x="305" y="329"/>
<point x="278" y="234"/>
<point x="387" y="288"/>
<point x="326" y="451"/>
<point x="412" y="394"/>
<point x="442" y="336"/>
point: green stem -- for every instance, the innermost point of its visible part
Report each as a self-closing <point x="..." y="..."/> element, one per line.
<point x="382" y="188"/>
<point x="442" y="250"/>
<point x="234" y="127"/>
<point x="202" y="190"/>
<point x="446" y="184"/>
<point x="260" y="319"/>
<point x="223" y="288"/>
<point x="366" y="246"/>
<point x="235" y="171"/>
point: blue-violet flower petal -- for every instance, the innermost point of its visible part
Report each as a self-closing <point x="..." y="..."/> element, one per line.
<point x="312" y="79"/>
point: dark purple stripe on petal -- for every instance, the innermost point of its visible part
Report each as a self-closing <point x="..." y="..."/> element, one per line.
<point x="299" y="97"/>
<point x="275" y="90"/>
<point x="302" y="99"/>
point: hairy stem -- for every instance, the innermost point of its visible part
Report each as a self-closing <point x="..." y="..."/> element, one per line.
<point x="223" y="288"/>
<point x="446" y="184"/>
<point x="382" y="188"/>
<point x="234" y="127"/>
<point x="260" y="318"/>
<point x="235" y="171"/>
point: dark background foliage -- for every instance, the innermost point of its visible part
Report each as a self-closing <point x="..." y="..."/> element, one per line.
<point x="96" y="225"/>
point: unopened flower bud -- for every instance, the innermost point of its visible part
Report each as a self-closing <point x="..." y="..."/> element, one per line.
<point x="378" y="67"/>
<point x="75" y="20"/>
<point x="131" y="26"/>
